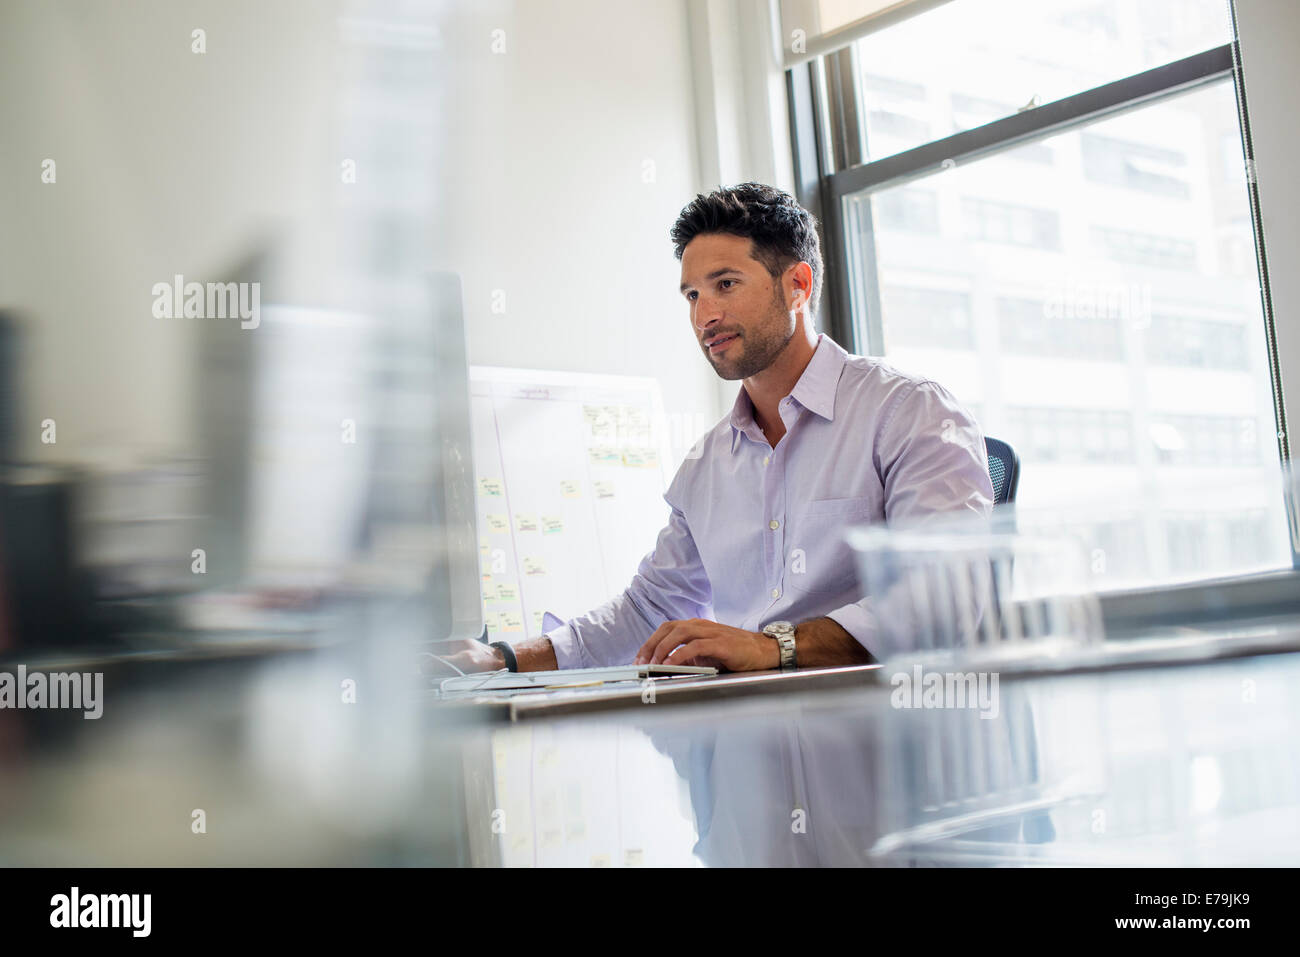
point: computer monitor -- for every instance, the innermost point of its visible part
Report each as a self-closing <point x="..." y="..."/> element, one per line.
<point x="338" y="449"/>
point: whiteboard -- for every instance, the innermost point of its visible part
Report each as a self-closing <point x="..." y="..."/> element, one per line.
<point x="570" y="471"/>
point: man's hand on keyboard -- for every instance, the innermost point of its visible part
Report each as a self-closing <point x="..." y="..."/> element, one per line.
<point x="697" y="641"/>
<point x="467" y="656"/>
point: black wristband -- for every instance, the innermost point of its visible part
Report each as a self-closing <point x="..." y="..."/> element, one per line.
<point x="512" y="663"/>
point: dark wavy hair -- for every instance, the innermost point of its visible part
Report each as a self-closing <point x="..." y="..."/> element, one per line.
<point x="782" y="232"/>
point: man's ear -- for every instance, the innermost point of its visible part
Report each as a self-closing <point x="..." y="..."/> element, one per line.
<point x="801" y="282"/>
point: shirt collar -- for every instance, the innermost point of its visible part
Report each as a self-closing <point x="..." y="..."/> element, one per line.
<point x="815" y="389"/>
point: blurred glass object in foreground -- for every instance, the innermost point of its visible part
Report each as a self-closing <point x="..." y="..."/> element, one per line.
<point x="960" y="586"/>
<point x="1215" y="524"/>
<point x="1028" y="581"/>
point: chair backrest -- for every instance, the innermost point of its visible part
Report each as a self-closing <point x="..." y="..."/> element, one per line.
<point x="1004" y="470"/>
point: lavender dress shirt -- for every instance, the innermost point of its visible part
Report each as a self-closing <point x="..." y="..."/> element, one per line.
<point x="756" y="534"/>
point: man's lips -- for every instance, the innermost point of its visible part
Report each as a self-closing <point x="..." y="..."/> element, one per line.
<point x="718" y="343"/>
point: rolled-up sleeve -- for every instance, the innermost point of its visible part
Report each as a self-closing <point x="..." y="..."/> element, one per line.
<point x="930" y="454"/>
<point x="669" y="584"/>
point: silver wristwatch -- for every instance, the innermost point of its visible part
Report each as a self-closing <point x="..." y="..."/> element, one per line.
<point x="783" y="633"/>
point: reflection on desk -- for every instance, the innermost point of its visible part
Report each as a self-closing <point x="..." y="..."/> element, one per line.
<point x="1194" y="765"/>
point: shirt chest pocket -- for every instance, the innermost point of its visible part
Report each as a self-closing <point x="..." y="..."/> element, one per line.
<point x="818" y="560"/>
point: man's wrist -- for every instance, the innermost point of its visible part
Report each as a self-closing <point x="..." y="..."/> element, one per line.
<point x="506" y="654"/>
<point x="824" y="642"/>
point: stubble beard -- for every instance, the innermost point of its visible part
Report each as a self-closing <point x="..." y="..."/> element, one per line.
<point x="760" y="348"/>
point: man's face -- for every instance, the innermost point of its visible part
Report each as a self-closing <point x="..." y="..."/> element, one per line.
<point x="738" y="310"/>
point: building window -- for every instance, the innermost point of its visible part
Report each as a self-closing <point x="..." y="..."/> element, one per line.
<point x="1032" y="327"/>
<point x="1197" y="343"/>
<point x="1144" y="249"/>
<point x="1008" y="223"/>
<point x="1150" y="169"/>
<point x="933" y="318"/>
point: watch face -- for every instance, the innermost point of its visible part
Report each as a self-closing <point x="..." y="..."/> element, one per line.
<point x="775" y="628"/>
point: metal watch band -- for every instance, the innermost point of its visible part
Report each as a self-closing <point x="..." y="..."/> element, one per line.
<point x="788" y="662"/>
<point x="782" y="632"/>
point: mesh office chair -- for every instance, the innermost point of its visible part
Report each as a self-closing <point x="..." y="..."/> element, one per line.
<point x="1036" y="827"/>
<point x="1004" y="470"/>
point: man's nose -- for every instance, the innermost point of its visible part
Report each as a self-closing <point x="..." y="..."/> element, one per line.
<point x="707" y="312"/>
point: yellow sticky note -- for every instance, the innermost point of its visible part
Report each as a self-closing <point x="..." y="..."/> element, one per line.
<point x="604" y="489"/>
<point x="640" y="458"/>
<point x="552" y="524"/>
<point x="507" y="592"/>
<point x="491" y="488"/>
<point x="498" y="523"/>
<point x="525" y="523"/>
<point x="570" y="488"/>
<point x="602" y="421"/>
<point x="534" y="565"/>
<point x="512" y="621"/>
<point x="493" y="622"/>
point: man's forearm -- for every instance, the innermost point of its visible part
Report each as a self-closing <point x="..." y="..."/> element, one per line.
<point x="820" y="643"/>
<point x="823" y="643"/>
<point x="535" y="654"/>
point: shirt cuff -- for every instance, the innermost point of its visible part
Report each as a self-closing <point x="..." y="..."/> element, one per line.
<point x="568" y="650"/>
<point x="858" y="622"/>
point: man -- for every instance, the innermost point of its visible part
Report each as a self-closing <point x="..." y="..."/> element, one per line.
<point x="818" y="440"/>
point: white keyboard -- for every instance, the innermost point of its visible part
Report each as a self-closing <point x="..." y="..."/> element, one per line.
<point x="573" y="677"/>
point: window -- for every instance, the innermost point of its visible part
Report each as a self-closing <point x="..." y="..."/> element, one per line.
<point x="1139" y="166"/>
<point x="1144" y="249"/>
<point x="974" y="61"/>
<point x="1070" y="435"/>
<point x="899" y="125"/>
<point x="908" y="210"/>
<point x="1007" y="223"/>
<point x="1075" y="256"/>
<point x="1222" y="441"/>
<point x="1034" y="328"/>
<point x="1197" y="343"/>
<point x="969" y="112"/>
<point x="929" y="317"/>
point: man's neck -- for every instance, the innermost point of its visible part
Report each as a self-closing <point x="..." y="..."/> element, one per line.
<point x="767" y="388"/>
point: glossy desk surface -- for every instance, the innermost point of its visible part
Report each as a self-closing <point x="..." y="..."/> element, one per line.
<point x="1182" y="751"/>
<point x="1192" y="761"/>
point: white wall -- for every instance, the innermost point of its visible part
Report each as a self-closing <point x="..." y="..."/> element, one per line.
<point x="1269" y="31"/>
<point x="741" y="115"/>
<point x="167" y="161"/>
<point x="575" y="149"/>
<point x="173" y="162"/>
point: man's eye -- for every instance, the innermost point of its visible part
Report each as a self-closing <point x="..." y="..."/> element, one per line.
<point x="727" y="283"/>
<point x="691" y="295"/>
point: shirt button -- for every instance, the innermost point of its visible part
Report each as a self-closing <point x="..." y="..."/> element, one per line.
<point x="774" y="525"/>
<point x="766" y="459"/>
<point x="776" y="593"/>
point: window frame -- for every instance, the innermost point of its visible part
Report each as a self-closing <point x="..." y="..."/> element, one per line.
<point x="828" y="140"/>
